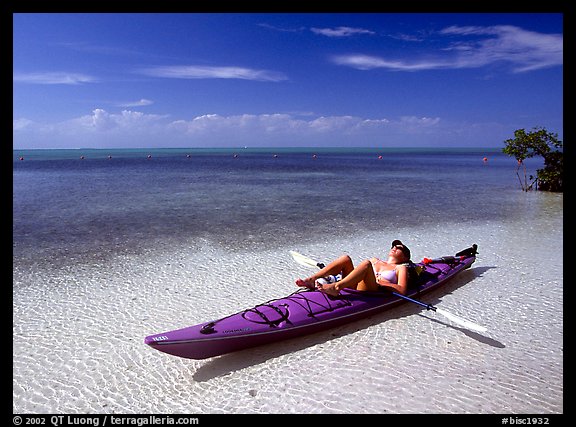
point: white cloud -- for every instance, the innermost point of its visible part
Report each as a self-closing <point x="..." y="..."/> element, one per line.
<point x="475" y="47"/>
<point x="340" y="31"/>
<point x="208" y="72"/>
<point x="279" y="124"/>
<point x="21" y="124"/>
<point x="525" y="50"/>
<point x="100" y="121"/>
<point x="367" y="62"/>
<point x="131" y="128"/>
<point x="282" y="29"/>
<point x="53" y="78"/>
<point x="92" y="127"/>
<point x="142" y="103"/>
<point x="245" y="124"/>
<point x="334" y="124"/>
<point x="420" y="121"/>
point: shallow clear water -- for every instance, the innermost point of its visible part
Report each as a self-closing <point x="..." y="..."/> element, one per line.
<point x="65" y="208"/>
<point x="107" y="251"/>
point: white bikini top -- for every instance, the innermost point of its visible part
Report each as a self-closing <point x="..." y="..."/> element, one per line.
<point x="389" y="275"/>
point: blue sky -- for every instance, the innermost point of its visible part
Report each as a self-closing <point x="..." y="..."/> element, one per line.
<point x="284" y="79"/>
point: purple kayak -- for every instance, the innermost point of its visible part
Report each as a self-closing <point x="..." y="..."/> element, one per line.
<point x="302" y="312"/>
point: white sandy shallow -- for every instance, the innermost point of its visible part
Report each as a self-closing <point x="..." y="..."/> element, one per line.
<point x="78" y="332"/>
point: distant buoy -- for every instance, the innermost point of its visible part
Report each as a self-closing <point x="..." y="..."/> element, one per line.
<point x="314" y="156"/>
<point x="485" y="159"/>
<point x="235" y="156"/>
<point x="275" y="156"/>
<point x="380" y="157"/>
<point x="149" y="156"/>
<point x="21" y="158"/>
<point x="81" y="157"/>
<point x="188" y="156"/>
<point x="109" y="157"/>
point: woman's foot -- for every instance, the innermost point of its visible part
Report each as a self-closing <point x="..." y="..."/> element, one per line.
<point x="329" y="289"/>
<point x="306" y="283"/>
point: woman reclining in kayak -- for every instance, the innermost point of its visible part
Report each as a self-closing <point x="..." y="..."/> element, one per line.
<point x="370" y="275"/>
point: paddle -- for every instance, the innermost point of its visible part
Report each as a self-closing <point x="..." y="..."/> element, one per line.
<point x="304" y="260"/>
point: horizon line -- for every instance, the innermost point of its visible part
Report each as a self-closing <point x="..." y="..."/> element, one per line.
<point x="271" y="148"/>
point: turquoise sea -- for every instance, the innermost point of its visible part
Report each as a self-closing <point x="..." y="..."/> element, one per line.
<point x="82" y="204"/>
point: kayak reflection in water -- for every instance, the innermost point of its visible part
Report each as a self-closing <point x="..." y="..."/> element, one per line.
<point x="370" y="275"/>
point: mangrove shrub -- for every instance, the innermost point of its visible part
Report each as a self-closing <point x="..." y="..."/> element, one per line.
<point x="538" y="142"/>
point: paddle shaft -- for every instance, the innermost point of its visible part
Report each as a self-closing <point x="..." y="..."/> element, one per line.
<point x="427" y="306"/>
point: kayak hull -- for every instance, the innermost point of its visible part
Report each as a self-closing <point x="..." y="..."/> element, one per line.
<point x="303" y="312"/>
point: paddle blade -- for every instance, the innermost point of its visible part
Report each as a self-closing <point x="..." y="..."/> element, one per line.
<point x="462" y="322"/>
<point x="303" y="260"/>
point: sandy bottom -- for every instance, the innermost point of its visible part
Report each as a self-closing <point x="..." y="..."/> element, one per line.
<point x="78" y="333"/>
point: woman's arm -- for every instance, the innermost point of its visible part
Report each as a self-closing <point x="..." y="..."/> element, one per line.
<point x="402" y="285"/>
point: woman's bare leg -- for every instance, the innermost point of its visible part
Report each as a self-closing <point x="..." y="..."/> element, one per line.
<point x="342" y="265"/>
<point x="361" y="278"/>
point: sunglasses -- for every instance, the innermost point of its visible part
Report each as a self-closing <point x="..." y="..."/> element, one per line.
<point x="401" y="248"/>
